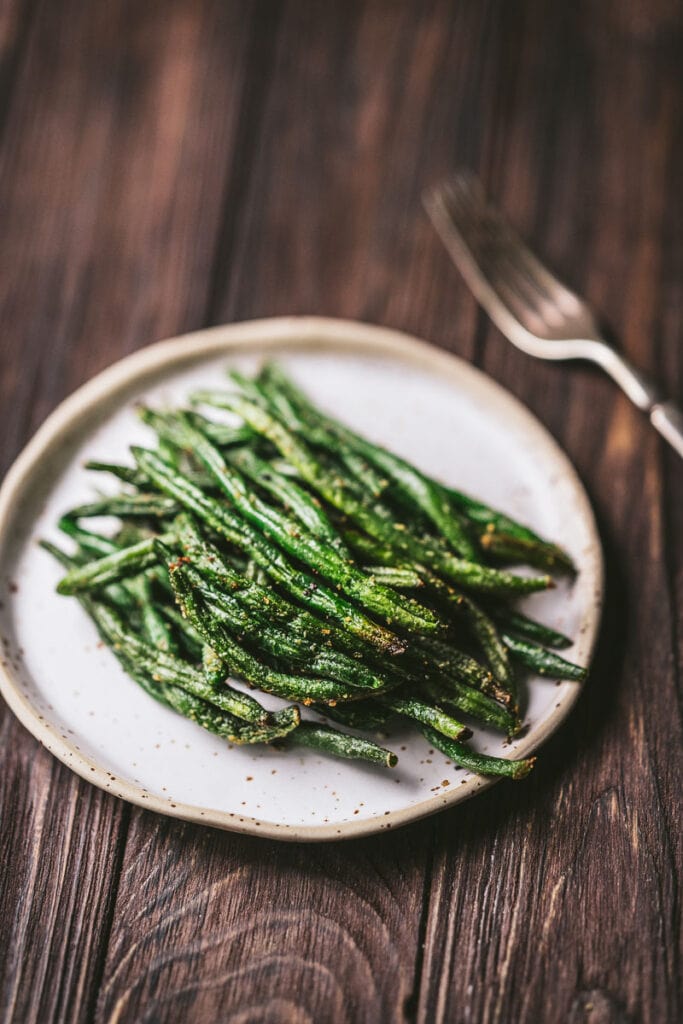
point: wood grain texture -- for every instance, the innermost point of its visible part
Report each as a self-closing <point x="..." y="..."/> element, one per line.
<point x="101" y="251"/>
<point x="170" y="165"/>
<point x="284" y="932"/>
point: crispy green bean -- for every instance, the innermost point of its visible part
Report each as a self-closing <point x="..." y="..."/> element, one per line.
<point x="220" y="581"/>
<point x="125" y="505"/>
<point x="493" y="522"/>
<point x="482" y="764"/>
<point x="368" y="715"/>
<point x="450" y="662"/>
<point x="427" y="714"/>
<point x="215" y="669"/>
<point x="124" y="562"/>
<point x="340" y="744"/>
<point x="542" y="662"/>
<point x="155" y="628"/>
<point x="188" y="636"/>
<point x="529" y="629"/>
<point x="454" y="693"/>
<point x="512" y="550"/>
<point x="481" y="624"/>
<point x="128" y="474"/>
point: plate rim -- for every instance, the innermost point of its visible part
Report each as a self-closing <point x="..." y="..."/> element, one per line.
<point x="276" y="332"/>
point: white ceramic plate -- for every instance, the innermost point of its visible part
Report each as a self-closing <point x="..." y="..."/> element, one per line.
<point x="443" y="414"/>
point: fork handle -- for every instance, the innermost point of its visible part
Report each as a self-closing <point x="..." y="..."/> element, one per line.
<point x="665" y="416"/>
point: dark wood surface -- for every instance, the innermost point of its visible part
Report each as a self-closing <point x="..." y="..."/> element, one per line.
<point x="170" y="164"/>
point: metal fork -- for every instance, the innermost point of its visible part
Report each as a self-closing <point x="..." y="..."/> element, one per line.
<point x="534" y="310"/>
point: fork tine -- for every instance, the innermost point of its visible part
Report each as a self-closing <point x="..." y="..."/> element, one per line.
<point x="492" y="246"/>
<point x="469" y="194"/>
<point x="451" y="208"/>
<point x="514" y="291"/>
<point x="499" y="268"/>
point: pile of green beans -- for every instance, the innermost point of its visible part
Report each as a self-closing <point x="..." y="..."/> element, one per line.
<point x="289" y="552"/>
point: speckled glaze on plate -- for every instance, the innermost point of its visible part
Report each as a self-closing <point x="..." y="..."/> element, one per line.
<point x="440" y="412"/>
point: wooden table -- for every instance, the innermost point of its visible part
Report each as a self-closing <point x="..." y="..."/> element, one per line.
<point x="169" y="164"/>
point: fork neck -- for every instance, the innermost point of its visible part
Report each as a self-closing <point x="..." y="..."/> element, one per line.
<point x="636" y="385"/>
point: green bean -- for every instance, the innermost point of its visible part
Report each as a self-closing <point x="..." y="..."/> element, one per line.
<point x="482" y="627"/>
<point x="481" y="624"/>
<point x="122" y="563"/>
<point x="493" y="647"/>
<point x="459" y="668"/>
<point x="401" y="577"/>
<point x="66" y="561"/>
<point x="92" y="542"/>
<point x="371" y="482"/>
<point x="222" y="434"/>
<point x="219" y="578"/>
<point x="455" y="664"/>
<point x="507" y="548"/>
<point x="253" y="390"/>
<point x="187" y="634"/>
<point x="454" y="693"/>
<point x="215" y="669"/>
<point x="415" y="487"/>
<point x="340" y="744"/>
<point x="419" y="490"/>
<point x="273" y="388"/>
<point x="361" y="714"/>
<point x="128" y="474"/>
<point x="464" y="671"/>
<point x="543" y="663"/>
<point x="226" y="725"/>
<point x="295" y="650"/>
<point x="123" y="505"/>
<point x="99" y="545"/>
<point x="297" y="555"/>
<point x="131" y="532"/>
<point x="528" y="629"/>
<point x="263" y="601"/>
<point x="481" y="764"/>
<point x="170" y="669"/>
<point x="255" y="573"/>
<point x="120" y="594"/>
<point x="115" y="593"/>
<point x="209" y="717"/>
<point x="155" y="628"/>
<point x="427" y="714"/>
<point x="207" y="714"/>
<point x="494" y="522"/>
